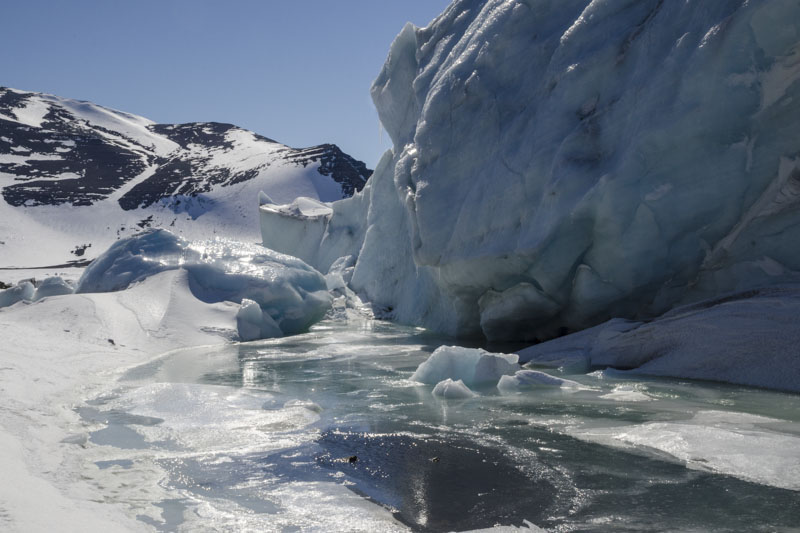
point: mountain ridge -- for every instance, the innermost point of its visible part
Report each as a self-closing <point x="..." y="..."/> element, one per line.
<point x="97" y="153"/>
<point x="104" y="174"/>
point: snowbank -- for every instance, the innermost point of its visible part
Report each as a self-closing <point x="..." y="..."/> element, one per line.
<point x="288" y="295"/>
<point x="470" y="365"/>
<point x="52" y="286"/>
<point x="28" y="292"/>
<point x="17" y="293"/>
<point x="56" y="353"/>
<point x="559" y="163"/>
<point x="748" y="338"/>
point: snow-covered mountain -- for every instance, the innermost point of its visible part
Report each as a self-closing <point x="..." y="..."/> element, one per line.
<point x="557" y="163"/>
<point x="75" y="176"/>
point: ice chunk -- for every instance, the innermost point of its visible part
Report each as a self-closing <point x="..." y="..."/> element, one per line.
<point x="253" y="323"/>
<point x="452" y="390"/>
<point x="285" y="227"/>
<point x="470" y="365"/>
<point x="19" y="292"/>
<point x="290" y="294"/>
<point x="533" y="378"/>
<point x="52" y="286"/>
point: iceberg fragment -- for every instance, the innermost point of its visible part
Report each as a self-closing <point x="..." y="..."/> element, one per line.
<point x="280" y="295"/>
<point x="470" y="365"/>
<point x="252" y="323"/>
<point x="452" y="390"/>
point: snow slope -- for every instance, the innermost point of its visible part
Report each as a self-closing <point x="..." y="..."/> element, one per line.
<point x="557" y="163"/>
<point x="75" y="176"/>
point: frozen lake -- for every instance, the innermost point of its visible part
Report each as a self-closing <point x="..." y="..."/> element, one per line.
<point x="324" y="431"/>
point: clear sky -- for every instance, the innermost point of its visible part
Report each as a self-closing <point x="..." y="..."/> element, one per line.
<point x="297" y="71"/>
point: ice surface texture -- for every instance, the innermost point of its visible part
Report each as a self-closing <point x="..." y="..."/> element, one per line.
<point x="280" y="295"/>
<point x="533" y="378"/>
<point x="557" y="163"/>
<point x="750" y="338"/>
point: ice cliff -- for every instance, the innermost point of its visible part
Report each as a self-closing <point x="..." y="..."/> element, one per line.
<point x="557" y="163"/>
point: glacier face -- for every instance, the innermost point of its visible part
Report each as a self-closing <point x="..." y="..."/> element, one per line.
<point x="560" y="162"/>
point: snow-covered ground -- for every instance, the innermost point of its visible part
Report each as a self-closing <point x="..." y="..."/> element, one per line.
<point x="60" y="351"/>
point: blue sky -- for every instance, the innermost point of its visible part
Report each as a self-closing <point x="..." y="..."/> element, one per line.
<point x="297" y="71"/>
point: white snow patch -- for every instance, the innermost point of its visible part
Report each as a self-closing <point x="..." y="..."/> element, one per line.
<point x="33" y="113"/>
<point x="44" y="376"/>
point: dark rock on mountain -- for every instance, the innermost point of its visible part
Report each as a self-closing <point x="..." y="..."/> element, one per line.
<point x="59" y="151"/>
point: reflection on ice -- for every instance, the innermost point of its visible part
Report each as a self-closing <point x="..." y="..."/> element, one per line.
<point x="730" y="443"/>
<point x="210" y="418"/>
<point x="326" y="431"/>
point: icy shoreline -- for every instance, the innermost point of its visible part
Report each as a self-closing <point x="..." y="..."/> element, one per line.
<point x="64" y="350"/>
<point x="62" y="355"/>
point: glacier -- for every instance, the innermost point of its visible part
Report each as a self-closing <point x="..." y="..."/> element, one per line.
<point x="558" y="163"/>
